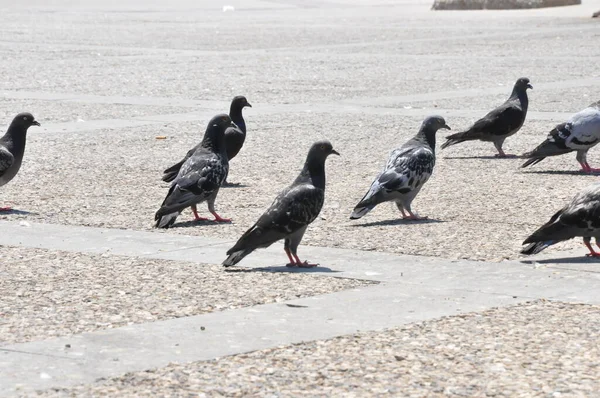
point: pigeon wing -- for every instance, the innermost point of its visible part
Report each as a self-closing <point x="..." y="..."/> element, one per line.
<point x="6" y="160"/>
<point x="200" y="178"/>
<point x="501" y="121"/>
<point x="293" y="209"/>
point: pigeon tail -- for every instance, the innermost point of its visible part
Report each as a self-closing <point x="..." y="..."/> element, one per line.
<point x="457" y="138"/>
<point x="531" y="161"/>
<point x="172" y="172"/>
<point x="360" y="211"/>
<point x="536" y="247"/>
<point x="236" y="257"/>
<point x="165" y="220"/>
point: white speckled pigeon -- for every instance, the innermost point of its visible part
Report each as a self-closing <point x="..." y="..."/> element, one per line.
<point x="581" y="217"/>
<point x="500" y="123"/>
<point x="200" y="176"/>
<point x="290" y="214"/>
<point x="407" y="170"/>
<point x="12" y="147"/>
<point x="580" y="133"/>
<point x="234" y="137"/>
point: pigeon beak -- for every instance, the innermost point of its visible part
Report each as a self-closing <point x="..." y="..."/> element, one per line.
<point x="447" y="127"/>
<point x="333" y="151"/>
<point x="249" y="104"/>
<point x="529" y="86"/>
<point x="36" y="123"/>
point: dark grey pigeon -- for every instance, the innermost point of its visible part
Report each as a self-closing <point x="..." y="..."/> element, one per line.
<point x="290" y="214"/>
<point x="406" y="171"/>
<point x="500" y="123"/>
<point x="580" y="133"/>
<point x="234" y="137"/>
<point x="200" y="176"/>
<point x="12" y="147"/>
<point x="581" y="217"/>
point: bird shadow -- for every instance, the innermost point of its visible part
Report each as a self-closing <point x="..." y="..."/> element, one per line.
<point x="562" y="172"/>
<point x="484" y="157"/>
<point x="399" y="221"/>
<point x="234" y="185"/>
<point x="283" y="268"/>
<point x="17" y="212"/>
<point x="197" y="223"/>
<point x="565" y="260"/>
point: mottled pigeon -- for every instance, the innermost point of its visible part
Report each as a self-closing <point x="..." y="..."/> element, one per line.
<point x="407" y="170"/>
<point x="580" y="133"/>
<point x="500" y="123"/>
<point x="290" y="214"/>
<point x="234" y="137"/>
<point x="12" y="147"/>
<point x="581" y="217"/>
<point x="200" y="176"/>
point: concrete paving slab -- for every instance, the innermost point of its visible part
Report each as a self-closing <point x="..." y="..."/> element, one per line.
<point x="87" y="357"/>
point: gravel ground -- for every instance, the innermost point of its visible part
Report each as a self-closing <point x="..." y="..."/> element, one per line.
<point x="61" y="111"/>
<point x="480" y="208"/>
<point x="44" y="294"/>
<point x="539" y="349"/>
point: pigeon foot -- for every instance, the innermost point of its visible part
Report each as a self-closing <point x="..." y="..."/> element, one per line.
<point x="306" y="264"/>
<point x="7" y="208"/>
<point x="594" y="254"/>
<point x="218" y="218"/>
<point x="415" y="217"/>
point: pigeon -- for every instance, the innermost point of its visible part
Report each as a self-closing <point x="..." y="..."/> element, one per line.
<point x="500" y="123"/>
<point x="580" y="133"/>
<point x="581" y="217"/>
<point x="290" y="214"/>
<point x="234" y="137"/>
<point x="200" y="176"/>
<point x="12" y="147"/>
<point x="406" y="171"/>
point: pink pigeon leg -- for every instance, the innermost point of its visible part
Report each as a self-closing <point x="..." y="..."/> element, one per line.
<point x="305" y="264"/>
<point x="196" y="216"/>
<point x="592" y="253"/>
<point x="218" y="218"/>
<point x="292" y="263"/>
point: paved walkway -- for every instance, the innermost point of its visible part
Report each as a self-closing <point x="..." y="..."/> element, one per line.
<point x="411" y="289"/>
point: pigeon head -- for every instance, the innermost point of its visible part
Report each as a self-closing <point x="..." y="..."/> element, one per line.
<point x="239" y="103"/>
<point x="24" y="120"/>
<point x="314" y="167"/>
<point x="429" y="127"/>
<point x="214" y="137"/>
<point x="320" y="150"/>
<point x="523" y="84"/>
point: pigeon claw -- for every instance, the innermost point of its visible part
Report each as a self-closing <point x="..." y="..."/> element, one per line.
<point x="594" y="254"/>
<point x="306" y="264"/>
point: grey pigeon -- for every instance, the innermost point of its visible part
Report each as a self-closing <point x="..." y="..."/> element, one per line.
<point x="234" y="137"/>
<point x="12" y="147"/>
<point x="580" y="133"/>
<point x="500" y="123"/>
<point x="406" y="171"/>
<point x="290" y="214"/>
<point x="581" y="217"/>
<point x="200" y="176"/>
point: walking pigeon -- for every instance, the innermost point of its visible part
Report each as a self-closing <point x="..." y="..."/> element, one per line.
<point x="407" y="170"/>
<point x="500" y="123"/>
<point x="580" y="133"/>
<point x="200" y="176"/>
<point x="12" y="147"/>
<point x="234" y="137"/>
<point x="581" y="217"/>
<point x="290" y="214"/>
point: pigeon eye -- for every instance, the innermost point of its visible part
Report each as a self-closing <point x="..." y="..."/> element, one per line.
<point x="323" y="147"/>
<point x="24" y="117"/>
